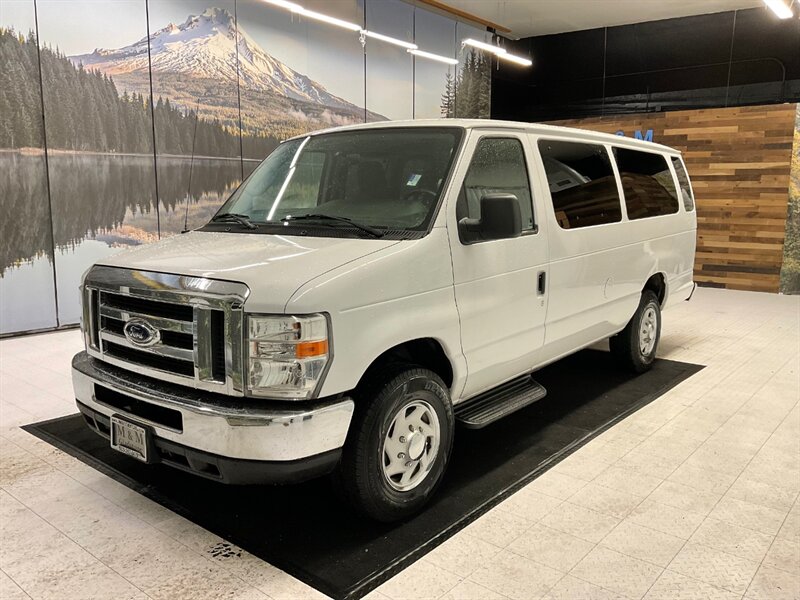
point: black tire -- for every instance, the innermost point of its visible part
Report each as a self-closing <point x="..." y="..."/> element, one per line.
<point x="360" y="477"/>
<point x="625" y="346"/>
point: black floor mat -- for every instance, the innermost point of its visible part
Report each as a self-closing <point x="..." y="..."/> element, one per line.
<point x="305" y="531"/>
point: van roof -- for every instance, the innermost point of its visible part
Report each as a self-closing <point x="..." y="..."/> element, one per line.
<point x="540" y="128"/>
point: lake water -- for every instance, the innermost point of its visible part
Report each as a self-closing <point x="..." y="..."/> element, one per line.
<point x="101" y="204"/>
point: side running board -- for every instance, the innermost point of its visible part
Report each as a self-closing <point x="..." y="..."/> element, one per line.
<point x="498" y="402"/>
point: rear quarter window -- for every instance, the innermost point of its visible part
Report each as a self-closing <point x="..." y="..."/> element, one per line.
<point x="683" y="181"/>
<point x="647" y="183"/>
<point x="582" y="185"/>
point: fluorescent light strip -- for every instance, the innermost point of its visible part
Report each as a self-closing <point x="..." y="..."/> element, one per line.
<point x="295" y="8"/>
<point x="312" y="14"/>
<point x="484" y="46"/>
<point x="779" y="8"/>
<point x="432" y="56"/>
<point x="411" y="48"/>
<point x="502" y="52"/>
<point x="389" y="40"/>
<point x="525" y="62"/>
<point x="331" y="20"/>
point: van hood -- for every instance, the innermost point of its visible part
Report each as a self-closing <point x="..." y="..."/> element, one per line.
<point x="272" y="266"/>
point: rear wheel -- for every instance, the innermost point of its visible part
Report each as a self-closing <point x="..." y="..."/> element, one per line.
<point x="399" y="444"/>
<point x="635" y="346"/>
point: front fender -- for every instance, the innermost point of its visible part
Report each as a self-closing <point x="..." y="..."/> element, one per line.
<point x="399" y="294"/>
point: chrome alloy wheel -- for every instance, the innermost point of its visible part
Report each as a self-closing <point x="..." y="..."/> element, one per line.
<point x="410" y="445"/>
<point x="648" y="330"/>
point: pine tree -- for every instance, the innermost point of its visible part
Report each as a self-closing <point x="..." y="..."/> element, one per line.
<point x="448" y="106"/>
<point x="484" y="87"/>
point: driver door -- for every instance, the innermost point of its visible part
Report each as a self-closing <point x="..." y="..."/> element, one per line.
<point x="500" y="285"/>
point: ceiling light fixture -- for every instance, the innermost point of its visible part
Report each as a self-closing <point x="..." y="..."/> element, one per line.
<point x="525" y="62"/>
<point x="484" y="46"/>
<point x="779" y="8"/>
<point x="363" y="33"/>
<point x="295" y="8"/>
<point x="432" y="56"/>
<point x="499" y="51"/>
<point x="331" y="20"/>
<point x="389" y="40"/>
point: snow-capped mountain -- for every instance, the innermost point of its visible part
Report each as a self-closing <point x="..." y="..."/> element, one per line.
<point x="205" y="46"/>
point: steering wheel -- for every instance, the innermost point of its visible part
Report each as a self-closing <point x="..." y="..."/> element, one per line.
<point x="431" y="195"/>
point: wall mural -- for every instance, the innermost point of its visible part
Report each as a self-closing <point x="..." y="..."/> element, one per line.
<point x="389" y="68"/>
<point x="229" y="79"/>
<point x="26" y="243"/>
<point x="790" y="268"/>
<point x="468" y="94"/>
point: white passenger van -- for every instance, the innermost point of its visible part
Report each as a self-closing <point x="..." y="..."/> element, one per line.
<point x="368" y="287"/>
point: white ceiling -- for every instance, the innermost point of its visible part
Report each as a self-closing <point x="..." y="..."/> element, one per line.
<point x="540" y="17"/>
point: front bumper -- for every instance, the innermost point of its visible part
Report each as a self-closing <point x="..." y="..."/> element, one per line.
<point x="234" y="440"/>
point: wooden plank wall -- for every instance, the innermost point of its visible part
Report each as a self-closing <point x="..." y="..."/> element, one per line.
<point x="738" y="160"/>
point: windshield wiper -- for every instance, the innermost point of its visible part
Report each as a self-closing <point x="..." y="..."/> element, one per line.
<point x="319" y="217"/>
<point x="241" y="219"/>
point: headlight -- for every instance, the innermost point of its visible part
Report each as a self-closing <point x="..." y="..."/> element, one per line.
<point x="287" y="355"/>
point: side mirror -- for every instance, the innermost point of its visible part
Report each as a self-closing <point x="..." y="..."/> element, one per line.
<point x="500" y="218"/>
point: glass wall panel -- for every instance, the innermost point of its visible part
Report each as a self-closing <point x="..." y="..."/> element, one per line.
<point x="434" y="82"/>
<point x="336" y="61"/>
<point x="297" y="74"/>
<point x="390" y="68"/>
<point x="99" y="134"/>
<point x="27" y="289"/>
<point x="193" y="51"/>
<point x="474" y="78"/>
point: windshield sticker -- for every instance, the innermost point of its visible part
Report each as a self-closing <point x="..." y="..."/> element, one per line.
<point x="413" y="179"/>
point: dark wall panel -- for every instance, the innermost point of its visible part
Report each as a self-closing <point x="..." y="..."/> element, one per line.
<point x="723" y="59"/>
<point x="568" y="57"/>
<point x="668" y="44"/>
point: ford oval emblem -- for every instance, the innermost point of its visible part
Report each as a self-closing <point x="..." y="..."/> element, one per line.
<point x="141" y="333"/>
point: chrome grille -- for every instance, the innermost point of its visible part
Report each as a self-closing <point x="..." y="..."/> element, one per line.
<point x="196" y="326"/>
<point x="173" y="353"/>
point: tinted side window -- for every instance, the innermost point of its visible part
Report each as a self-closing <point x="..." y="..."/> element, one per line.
<point x="497" y="166"/>
<point x="683" y="181"/>
<point x="582" y="184"/>
<point x="647" y="184"/>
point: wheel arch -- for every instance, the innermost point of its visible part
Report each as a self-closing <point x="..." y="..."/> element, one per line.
<point x="657" y="283"/>
<point x="426" y="352"/>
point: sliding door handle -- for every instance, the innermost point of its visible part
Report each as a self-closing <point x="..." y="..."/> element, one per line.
<point x="542" y="283"/>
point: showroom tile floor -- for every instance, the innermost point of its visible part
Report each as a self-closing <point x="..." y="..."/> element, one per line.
<point x="694" y="496"/>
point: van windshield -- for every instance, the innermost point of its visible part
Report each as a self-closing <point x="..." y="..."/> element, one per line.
<point x="378" y="181"/>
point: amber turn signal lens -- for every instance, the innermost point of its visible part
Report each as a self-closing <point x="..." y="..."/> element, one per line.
<point x="307" y="349"/>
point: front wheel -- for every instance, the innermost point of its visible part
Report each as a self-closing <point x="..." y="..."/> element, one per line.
<point x="399" y="444"/>
<point x="635" y="346"/>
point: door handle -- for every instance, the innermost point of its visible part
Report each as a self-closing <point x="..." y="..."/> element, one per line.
<point x="542" y="283"/>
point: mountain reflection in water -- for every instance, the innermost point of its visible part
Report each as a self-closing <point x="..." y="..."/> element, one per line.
<point x="100" y="204"/>
<point x="103" y="197"/>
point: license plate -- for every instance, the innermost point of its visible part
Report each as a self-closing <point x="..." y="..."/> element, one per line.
<point x="129" y="439"/>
